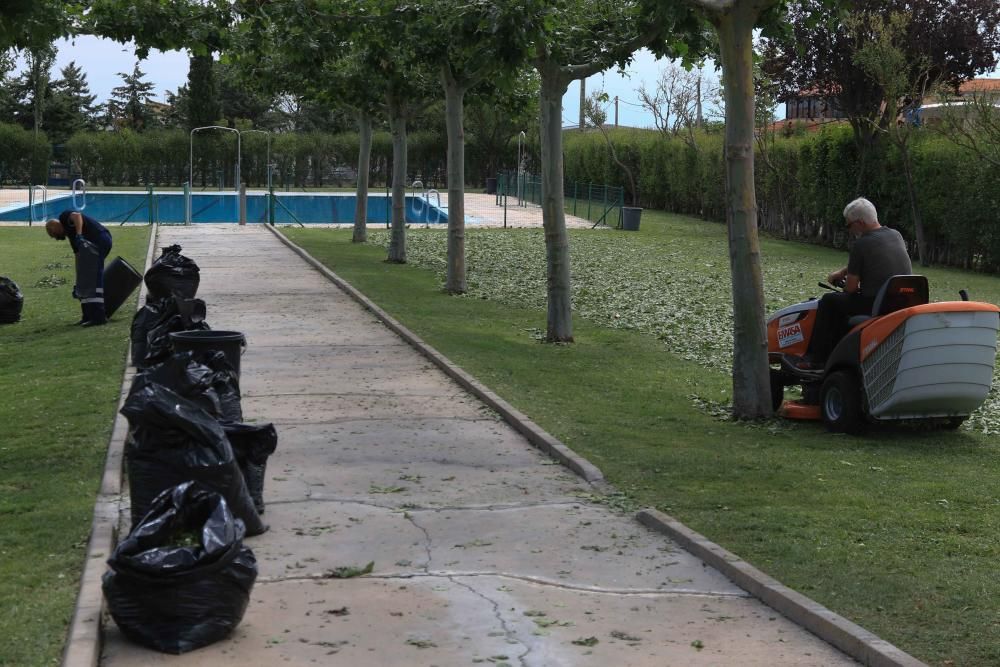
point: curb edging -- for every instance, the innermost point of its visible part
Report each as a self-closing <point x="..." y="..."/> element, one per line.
<point x="83" y="638"/>
<point x="849" y="637"/>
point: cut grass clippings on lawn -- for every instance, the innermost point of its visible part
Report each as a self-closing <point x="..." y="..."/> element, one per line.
<point x="60" y="386"/>
<point x="897" y="531"/>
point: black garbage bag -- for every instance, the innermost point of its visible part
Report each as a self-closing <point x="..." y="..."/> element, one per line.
<point x="182" y="578"/>
<point x="154" y="322"/>
<point x="206" y="378"/>
<point x="183" y="375"/>
<point x="11" y="301"/>
<point x="172" y="274"/>
<point x="252" y="445"/>
<point x="225" y="381"/>
<point x="173" y="440"/>
<point x="159" y="345"/>
<point x="144" y="320"/>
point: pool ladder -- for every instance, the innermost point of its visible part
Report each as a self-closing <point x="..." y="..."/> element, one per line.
<point x="32" y="203"/>
<point x="425" y="200"/>
<point x="82" y="204"/>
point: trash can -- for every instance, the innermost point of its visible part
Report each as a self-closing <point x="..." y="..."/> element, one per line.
<point x="120" y="280"/>
<point x="230" y="343"/>
<point x="491" y="186"/>
<point x="631" y="215"/>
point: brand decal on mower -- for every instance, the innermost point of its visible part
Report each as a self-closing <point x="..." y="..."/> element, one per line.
<point x="790" y="335"/>
<point x="869" y="347"/>
<point x="787" y="319"/>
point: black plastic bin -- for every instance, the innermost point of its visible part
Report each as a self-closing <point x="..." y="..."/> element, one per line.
<point x="631" y="216"/>
<point x="230" y="343"/>
<point x="120" y="280"/>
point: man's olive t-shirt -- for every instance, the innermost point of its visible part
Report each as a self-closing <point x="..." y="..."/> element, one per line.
<point x="876" y="257"/>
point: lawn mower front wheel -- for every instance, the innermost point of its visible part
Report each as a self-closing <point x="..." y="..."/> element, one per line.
<point x="840" y="402"/>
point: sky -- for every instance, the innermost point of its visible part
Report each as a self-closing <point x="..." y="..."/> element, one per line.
<point x="103" y="59"/>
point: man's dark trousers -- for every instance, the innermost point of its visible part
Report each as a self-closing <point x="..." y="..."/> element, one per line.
<point x="834" y="310"/>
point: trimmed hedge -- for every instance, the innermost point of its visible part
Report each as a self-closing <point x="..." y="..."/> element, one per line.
<point x="803" y="183"/>
<point x="23" y="157"/>
<point x="161" y="157"/>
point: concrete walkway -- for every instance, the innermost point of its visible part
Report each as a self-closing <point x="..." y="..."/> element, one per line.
<point x="484" y="550"/>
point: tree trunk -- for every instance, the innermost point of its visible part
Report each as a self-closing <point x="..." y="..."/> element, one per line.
<point x="751" y="378"/>
<point x="560" y="319"/>
<point x="454" y="104"/>
<point x="918" y="223"/>
<point x="364" y="160"/>
<point x="397" y="235"/>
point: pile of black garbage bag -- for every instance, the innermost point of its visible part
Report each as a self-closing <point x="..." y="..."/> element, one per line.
<point x="182" y="578"/>
<point x="172" y="274"/>
<point x="11" y="301"/>
<point x="171" y="285"/>
<point x="193" y="466"/>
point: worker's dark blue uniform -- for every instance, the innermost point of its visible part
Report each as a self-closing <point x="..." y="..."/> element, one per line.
<point x="94" y="232"/>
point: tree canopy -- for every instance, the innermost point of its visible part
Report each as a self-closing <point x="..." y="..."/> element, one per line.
<point x="959" y="39"/>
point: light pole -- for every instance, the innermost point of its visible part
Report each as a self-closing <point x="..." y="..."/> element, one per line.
<point x="520" y="160"/>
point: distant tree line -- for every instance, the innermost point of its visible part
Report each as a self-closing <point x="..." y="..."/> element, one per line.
<point x="131" y="139"/>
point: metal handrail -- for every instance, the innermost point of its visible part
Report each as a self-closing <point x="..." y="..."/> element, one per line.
<point x="31" y="202"/>
<point x="427" y="198"/>
<point x="82" y="182"/>
<point x="191" y="151"/>
<point x="418" y="185"/>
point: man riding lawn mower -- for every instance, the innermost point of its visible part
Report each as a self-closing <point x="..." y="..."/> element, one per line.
<point x="886" y="354"/>
<point x="909" y="359"/>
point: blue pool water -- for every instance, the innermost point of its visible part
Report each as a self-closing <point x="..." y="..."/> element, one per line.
<point x="119" y="207"/>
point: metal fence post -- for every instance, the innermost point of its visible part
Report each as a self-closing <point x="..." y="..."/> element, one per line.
<point x="270" y="205"/>
<point x="505" y="204"/>
<point x="243" y="203"/>
<point x="149" y="205"/>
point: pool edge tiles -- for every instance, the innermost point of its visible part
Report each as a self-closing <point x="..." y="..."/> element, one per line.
<point x="116" y="207"/>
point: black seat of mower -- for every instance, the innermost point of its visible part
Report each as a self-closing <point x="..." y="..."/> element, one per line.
<point x="899" y="292"/>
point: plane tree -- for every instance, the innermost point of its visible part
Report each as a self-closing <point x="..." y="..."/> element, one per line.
<point x="958" y="40"/>
<point x="329" y="67"/>
<point x="733" y="23"/>
<point x="468" y="43"/>
<point x="362" y="54"/>
<point x="201" y="26"/>
<point x="579" y="38"/>
<point x="26" y="24"/>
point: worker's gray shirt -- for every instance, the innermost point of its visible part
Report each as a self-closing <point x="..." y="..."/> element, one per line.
<point x="876" y="257"/>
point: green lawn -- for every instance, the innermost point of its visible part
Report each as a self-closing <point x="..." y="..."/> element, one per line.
<point x="59" y="385"/>
<point x="897" y="531"/>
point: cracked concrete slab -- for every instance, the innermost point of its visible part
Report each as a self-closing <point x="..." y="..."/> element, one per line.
<point x="456" y="621"/>
<point x="484" y="551"/>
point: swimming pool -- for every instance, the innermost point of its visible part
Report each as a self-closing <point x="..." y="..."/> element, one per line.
<point x="223" y="207"/>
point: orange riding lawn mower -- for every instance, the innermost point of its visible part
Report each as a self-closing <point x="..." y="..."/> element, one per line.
<point x="909" y="360"/>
